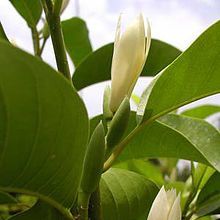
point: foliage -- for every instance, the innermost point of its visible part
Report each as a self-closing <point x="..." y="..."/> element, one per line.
<point x="51" y="152"/>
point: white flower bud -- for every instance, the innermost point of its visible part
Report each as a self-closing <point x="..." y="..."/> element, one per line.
<point x="166" y="206"/>
<point x="130" y="52"/>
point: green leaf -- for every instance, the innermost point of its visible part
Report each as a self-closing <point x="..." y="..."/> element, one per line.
<point x="175" y="136"/>
<point x="94" y="122"/>
<point x="200" y="175"/>
<point x="209" y="172"/>
<point x="143" y="167"/>
<point x="6" y="198"/>
<point x="205" y="218"/>
<point x="197" y="174"/>
<point x="97" y="66"/>
<point x="76" y="37"/>
<point x="39" y="211"/>
<point x="209" y="197"/>
<point x="126" y="195"/>
<point x="30" y="10"/>
<point x="193" y="75"/>
<point x="201" y="134"/>
<point x="43" y="129"/>
<point x="202" y="111"/>
<point x="178" y="185"/>
<point x="2" y="33"/>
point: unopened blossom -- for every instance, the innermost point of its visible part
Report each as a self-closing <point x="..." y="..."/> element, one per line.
<point x="130" y="52"/>
<point x="166" y="206"/>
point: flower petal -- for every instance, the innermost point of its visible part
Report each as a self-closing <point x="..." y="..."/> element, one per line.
<point x="127" y="62"/>
<point x="118" y="32"/>
<point x="171" y="196"/>
<point x="175" y="212"/>
<point x="160" y="208"/>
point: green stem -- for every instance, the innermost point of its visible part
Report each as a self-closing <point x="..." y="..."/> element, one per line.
<point x="53" y="21"/>
<point x="192" y="196"/>
<point x="83" y="204"/>
<point x="36" y="41"/>
<point x="95" y="212"/>
<point x="189" y="216"/>
<point x="43" y="45"/>
<point x="49" y="5"/>
<point x="57" y="6"/>
<point x="188" y="202"/>
<point x="66" y="213"/>
<point x="121" y="146"/>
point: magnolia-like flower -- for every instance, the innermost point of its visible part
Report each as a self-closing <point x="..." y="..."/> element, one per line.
<point x="130" y="52"/>
<point x="166" y="206"/>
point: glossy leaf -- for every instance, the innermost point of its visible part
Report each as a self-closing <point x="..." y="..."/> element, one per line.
<point x="200" y="133"/>
<point x="43" y="129"/>
<point x="202" y="111"/>
<point x="40" y="211"/>
<point x="97" y="66"/>
<point x="126" y="195"/>
<point x="209" y="197"/>
<point x="76" y="37"/>
<point x="193" y="75"/>
<point x="30" y="10"/>
<point x="143" y="167"/>
<point x="175" y="136"/>
<point x="6" y="198"/>
<point x="172" y="136"/>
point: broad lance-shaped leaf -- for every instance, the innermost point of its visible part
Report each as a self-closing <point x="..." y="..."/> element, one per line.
<point x="174" y="136"/>
<point x="30" y="10"/>
<point x="76" y="37"/>
<point x="204" y="137"/>
<point x="40" y="211"/>
<point x="96" y="67"/>
<point x="193" y="75"/>
<point x="209" y="197"/>
<point x="126" y="195"/>
<point x="202" y="111"/>
<point x="43" y="129"/>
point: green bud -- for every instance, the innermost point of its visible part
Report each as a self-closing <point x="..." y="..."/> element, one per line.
<point x="107" y="114"/>
<point x="46" y="31"/>
<point x="94" y="159"/>
<point x="118" y="124"/>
